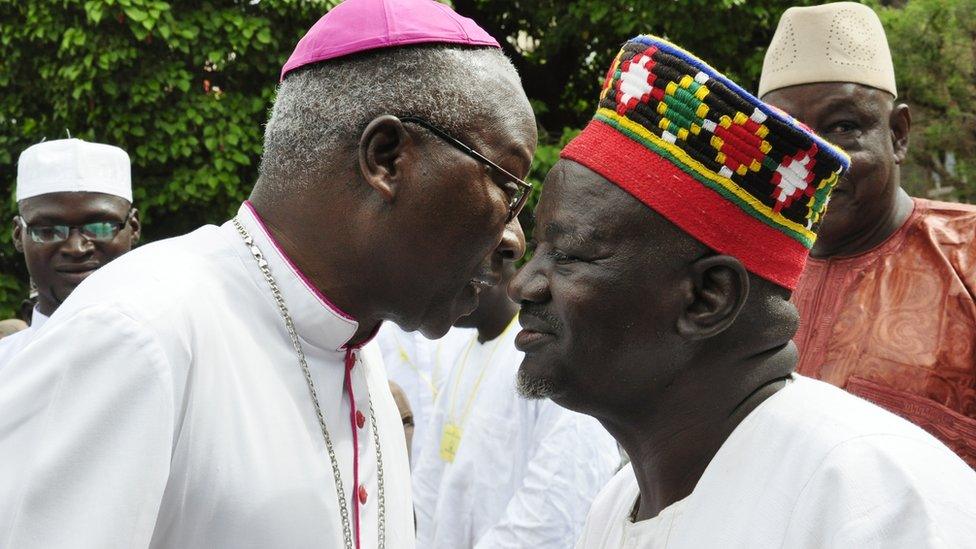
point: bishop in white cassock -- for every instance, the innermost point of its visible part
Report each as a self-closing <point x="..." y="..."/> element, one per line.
<point x="497" y="470"/>
<point x="212" y="390"/>
<point x="184" y="419"/>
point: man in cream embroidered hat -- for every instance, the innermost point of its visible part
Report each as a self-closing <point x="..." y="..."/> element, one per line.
<point x="886" y="301"/>
<point x="840" y="42"/>
<point x="75" y="214"/>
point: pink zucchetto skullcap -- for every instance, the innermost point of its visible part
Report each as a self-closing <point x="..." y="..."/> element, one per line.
<point x="360" y="25"/>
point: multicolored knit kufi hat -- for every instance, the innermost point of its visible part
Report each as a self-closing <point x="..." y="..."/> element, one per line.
<point x="740" y="176"/>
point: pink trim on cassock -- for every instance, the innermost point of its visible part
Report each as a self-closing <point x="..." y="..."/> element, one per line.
<point x="369" y="338"/>
<point x="301" y="276"/>
<point x="350" y="363"/>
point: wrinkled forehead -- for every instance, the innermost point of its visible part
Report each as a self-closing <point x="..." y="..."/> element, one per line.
<point x="73" y="207"/>
<point x="583" y="204"/>
<point x="808" y="102"/>
<point x="580" y="206"/>
<point x="507" y="132"/>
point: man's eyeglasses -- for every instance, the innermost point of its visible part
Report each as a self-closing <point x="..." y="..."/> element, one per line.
<point x="96" y="231"/>
<point x="522" y="189"/>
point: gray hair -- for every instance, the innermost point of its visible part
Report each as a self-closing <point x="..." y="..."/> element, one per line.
<point x="321" y="110"/>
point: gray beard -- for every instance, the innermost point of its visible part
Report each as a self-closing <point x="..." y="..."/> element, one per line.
<point x="533" y="388"/>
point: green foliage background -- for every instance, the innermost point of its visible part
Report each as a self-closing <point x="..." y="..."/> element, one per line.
<point x="184" y="86"/>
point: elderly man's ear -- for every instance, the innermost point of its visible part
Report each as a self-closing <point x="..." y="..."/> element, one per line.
<point x="380" y="148"/>
<point x="715" y="291"/>
<point x="900" y="122"/>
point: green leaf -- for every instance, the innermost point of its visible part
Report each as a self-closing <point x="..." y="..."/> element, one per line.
<point x="94" y="10"/>
<point x="136" y="14"/>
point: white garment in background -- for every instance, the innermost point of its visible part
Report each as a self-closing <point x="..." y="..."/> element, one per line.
<point x="525" y="471"/>
<point x="420" y="366"/>
<point x="811" y="467"/>
<point x="13" y="343"/>
<point x="164" y="406"/>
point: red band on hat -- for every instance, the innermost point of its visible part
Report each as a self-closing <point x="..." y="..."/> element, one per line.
<point x="694" y="208"/>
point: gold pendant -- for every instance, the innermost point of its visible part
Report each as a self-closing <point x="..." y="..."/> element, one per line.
<point x="450" y="440"/>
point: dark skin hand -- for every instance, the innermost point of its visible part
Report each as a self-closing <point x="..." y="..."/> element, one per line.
<point x="58" y="268"/>
<point x="627" y="318"/>
<point x="495" y="309"/>
<point x="415" y="239"/>
<point x="868" y="205"/>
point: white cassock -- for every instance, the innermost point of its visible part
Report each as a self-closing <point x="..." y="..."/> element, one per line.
<point x="163" y="405"/>
<point x="420" y="366"/>
<point x="524" y="471"/>
<point x="13" y="343"/>
<point x="810" y="467"/>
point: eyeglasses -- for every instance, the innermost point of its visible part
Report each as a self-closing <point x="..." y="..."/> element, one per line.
<point x="523" y="189"/>
<point x="97" y="231"/>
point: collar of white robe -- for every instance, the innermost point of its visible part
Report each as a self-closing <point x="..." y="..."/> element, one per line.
<point x="297" y="344"/>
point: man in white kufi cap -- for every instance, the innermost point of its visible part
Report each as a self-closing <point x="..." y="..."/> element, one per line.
<point x="886" y="300"/>
<point x="75" y="214"/>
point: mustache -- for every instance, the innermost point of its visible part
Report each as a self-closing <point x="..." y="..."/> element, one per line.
<point x="539" y="315"/>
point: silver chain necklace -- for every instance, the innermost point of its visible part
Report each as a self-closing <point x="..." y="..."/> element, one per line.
<point x="296" y="343"/>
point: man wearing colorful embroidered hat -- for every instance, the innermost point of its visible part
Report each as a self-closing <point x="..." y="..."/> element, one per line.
<point x="75" y="214"/>
<point x="886" y="302"/>
<point x="670" y="235"/>
<point x="213" y="390"/>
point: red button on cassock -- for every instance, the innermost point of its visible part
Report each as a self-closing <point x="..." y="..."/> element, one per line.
<point x="360" y="419"/>
<point x="362" y="495"/>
